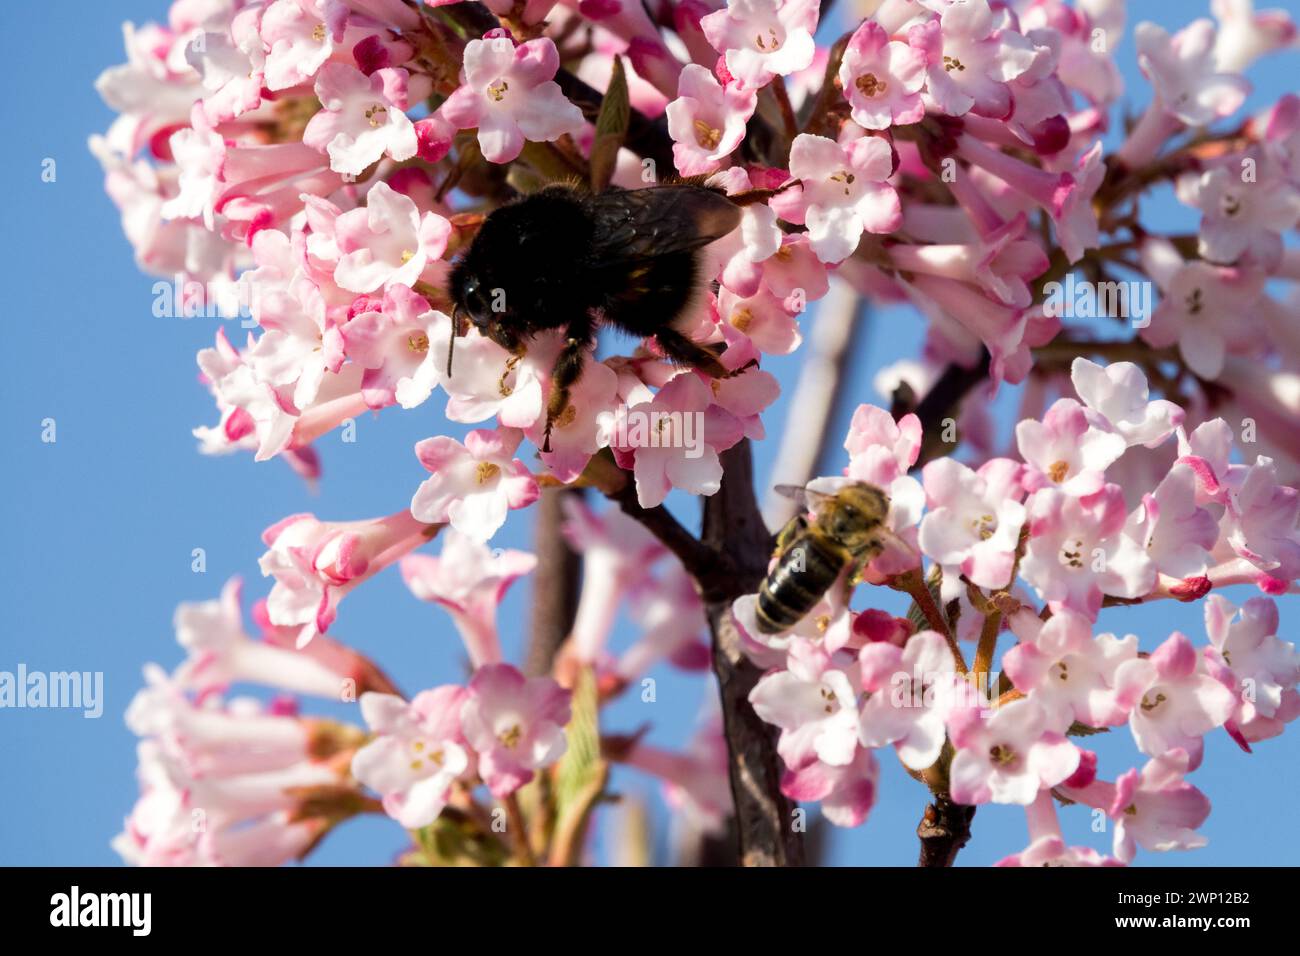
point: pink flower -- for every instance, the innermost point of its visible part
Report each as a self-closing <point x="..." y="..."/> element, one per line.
<point x="392" y="340"/>
<point x="670" y="615"/>
<point x="1078" y="551"/>
<point x="674" y="440"/>
<point x="488" y="381"/>
<point x="473" y="485"/>
<point x="880" y="449"/>
<point x="1245" y="35"/>
<point x="516" y="724"/>
<point x="1157" y="809"/>
<point x="248" y="819"/>
<point x="1204" y="309"/>
<point x="221" y="653"/>
<point x="971" y="59"/>
<point x="974" y="521"/>
<point x="882" y="79"/>
<point x="469" y="581"/>
<point x="1071" y="448"/>
<point x="417" y="753"/>
<point x="696" y="782"/>
<point x="814" y="703"/>
<point x="762" y="318"/>
<point x="1067" y="671"/>
<point x="618" y="554"/>
<point x="1181" y="68"/>
<point x="232" y="67"/>
<point x="300" y="36"/>
<point x="707" y="120"/>
<point x="843" y="190"/>
<point x="911" y="691"/>
<point x="1046" y="847"/>
<point x="794" y="274"/>
<point x="1118" y="392"/>
<point x="1264" y="669"/>
<point x="1243" y="216"/>
<point x="1172" y="703"/>
<point x="362" y="119"/>
<point x="1260" y="522"/>
<point x="388" y="242"/>
<point x="1175" y="532"/>
<point x="509" y="94"/>
<point x="200" y="154"/>
<point x="583" y="427"/>
<point x="761" y="39"/>
<point x="208" y="739"/>
<point x="316" y="563"/>
<point x="1076" y="226"/>
<point x="1002" y="264"/>
<point x="846" y="793"/>
<point x="1009" y="757"/>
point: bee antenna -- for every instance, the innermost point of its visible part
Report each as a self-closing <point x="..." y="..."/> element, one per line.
<point x="451" y="342"/>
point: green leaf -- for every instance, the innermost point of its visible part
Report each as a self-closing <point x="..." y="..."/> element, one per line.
<point x="454" y="840"/>
<point x="582" y="772"/>
<point x="611" y="128"/>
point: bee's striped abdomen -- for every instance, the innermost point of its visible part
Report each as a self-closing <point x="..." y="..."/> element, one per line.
<point x="803" y="573"/>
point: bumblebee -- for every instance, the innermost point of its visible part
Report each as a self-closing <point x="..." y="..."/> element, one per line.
<point x="563" y="258"/>
<point x="847" y="531"/>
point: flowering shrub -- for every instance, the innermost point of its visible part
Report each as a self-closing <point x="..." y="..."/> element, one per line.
<point x="321" y="163"/>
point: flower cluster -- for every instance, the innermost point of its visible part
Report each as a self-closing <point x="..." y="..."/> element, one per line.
<point x="849" y="682"/>
<point x="313" y="169"/>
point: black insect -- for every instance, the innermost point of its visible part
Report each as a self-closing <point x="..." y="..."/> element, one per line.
<point x="562" y="258"/>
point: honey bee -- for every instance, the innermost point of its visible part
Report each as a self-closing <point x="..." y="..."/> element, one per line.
<point x="565" y="258"/>
<point x="847" y="530"/>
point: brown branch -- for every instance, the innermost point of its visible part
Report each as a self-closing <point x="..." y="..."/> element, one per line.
<point x="943" y="401"/>
<point x="944" y="830"/>
<point x="734" y="530"/>
<point x="555" y="583"/>
<point x="700" y="561"/>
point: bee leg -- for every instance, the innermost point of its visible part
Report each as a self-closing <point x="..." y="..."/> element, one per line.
<point x="685" y="352"/>
<point x="793" y="528"/>
<point x="567" y="371"/>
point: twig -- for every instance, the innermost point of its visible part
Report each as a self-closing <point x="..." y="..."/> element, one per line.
<point x="519" y="830"/>
<point x="734" y="529"/>
<point x="943" y="401"/>
<point x="555" y="583"/>
<point x="943" y="830"/>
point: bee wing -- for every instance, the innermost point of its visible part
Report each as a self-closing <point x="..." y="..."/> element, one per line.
<point x="660" y="220"/>
<point x="811" y="500"/>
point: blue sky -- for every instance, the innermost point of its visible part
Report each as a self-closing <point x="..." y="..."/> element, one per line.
<point x="100" y="525"/>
